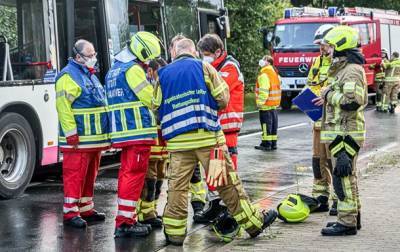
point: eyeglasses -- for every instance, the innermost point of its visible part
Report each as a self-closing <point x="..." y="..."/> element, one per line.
<point x="89" y="56"/>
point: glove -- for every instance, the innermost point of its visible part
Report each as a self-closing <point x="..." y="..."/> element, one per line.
<point x="73" y="140"/>
<point x="217" y="174"/>
<point x="338" y="187"/>
<point x="344" y="165"/>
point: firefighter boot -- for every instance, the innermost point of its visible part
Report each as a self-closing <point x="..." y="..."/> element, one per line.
<point x="264" y="146"/>
<point x="323" y="204"/>
<point x="392" y="108"/>
<point x="274" y="145"/>
<point x="76" y="222"/>
<point x="95" y="217"/>
<point x="135" y="230"/>
<point x="338" y="229"/>
<point x="269" y="218"/>
<point x="198" y="207"/>
<point x="329" y="224"/>
<point x="211" y="213"/>
<point x="333" y="210"/>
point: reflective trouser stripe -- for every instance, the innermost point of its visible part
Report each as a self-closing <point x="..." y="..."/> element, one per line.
<point x="174" y="222"/>
<point x="70" y="209"/>
<point x="128" y="203"/>
<point x="248" y="213"/>
<point x="198" y="192"/>
<point x="175" y="231"/>
<point x="69" y="200"/>
<point x="86" y="208"/>
<point x="127" y="214"/>
<point x="85" y="199"/>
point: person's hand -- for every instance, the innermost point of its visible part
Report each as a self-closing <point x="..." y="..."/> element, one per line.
<point x="319" y="101"/>
<point x="73" y="140"/>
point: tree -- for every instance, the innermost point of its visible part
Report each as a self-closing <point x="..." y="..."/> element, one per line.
<point x="8" y="24"/>
<point x="246" y="18"/>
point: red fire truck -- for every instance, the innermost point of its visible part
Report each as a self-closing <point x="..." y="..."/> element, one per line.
<point x="291" y="41"/>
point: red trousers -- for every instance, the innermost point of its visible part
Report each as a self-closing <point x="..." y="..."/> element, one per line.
<point x="79" y="175"/>
<point x="134" y="164"/>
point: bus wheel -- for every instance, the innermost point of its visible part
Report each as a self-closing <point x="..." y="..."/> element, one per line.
<point x="286" y="102"/>
<point x="17" y="154"/>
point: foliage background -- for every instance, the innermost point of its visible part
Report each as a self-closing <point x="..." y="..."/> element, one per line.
<point x="8" y="24"/>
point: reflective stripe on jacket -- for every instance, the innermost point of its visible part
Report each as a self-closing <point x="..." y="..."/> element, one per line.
<point x="131" y="121"/>
<point x="231" y="118"/>
<point x="81" y="107"/>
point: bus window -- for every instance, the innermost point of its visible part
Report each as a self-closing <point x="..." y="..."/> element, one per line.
<point x="363" y="32"/>
<point x="117" y="16"/>
<point x="25" y="34"/>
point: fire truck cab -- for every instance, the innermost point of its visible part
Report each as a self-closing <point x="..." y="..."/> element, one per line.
<point x="291" y="41"/>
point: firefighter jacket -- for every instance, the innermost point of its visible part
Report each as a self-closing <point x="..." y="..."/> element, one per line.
<point x="81" y="107"/>
<point x="129" y="97"/>
<point x="231" y="118"/>
<point x="318" y="74"/>
<point x="188" y="95"/>
<point x="392" y="72"/>
<point x="345" y="102"/>
<point x="268" y="89"/>
<point x="379" y="71"/>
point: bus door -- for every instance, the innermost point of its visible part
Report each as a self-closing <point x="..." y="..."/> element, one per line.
<point x="83" y="19"/>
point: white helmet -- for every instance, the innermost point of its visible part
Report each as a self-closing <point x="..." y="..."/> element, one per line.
<point x="321" y="32"/>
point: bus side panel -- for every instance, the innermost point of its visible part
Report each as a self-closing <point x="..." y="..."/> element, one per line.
<point x="35" y="97"/>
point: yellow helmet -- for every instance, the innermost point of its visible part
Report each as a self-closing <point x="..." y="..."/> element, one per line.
<point x="145" y="46"/>
<point x="293" y="209"/>
<point x="342" y="37"/>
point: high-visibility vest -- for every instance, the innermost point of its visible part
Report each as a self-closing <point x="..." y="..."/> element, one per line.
<point x="318" y="74"/>
<point x="89" y="109"/>
<point x="231" y="118"/>
<point x="274" y="97"/>
<point x="187" y="103"/>
<point x="130" y="120"/>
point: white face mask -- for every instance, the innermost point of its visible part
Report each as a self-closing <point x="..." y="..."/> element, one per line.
<point x="208" y="59"/>
<point x="262" y="63"/>
<point x="91" y="62"/>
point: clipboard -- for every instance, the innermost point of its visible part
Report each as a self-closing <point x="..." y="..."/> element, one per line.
<point x="304" y="102"/>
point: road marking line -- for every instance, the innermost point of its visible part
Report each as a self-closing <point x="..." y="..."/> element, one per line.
<point x="279" y="129"/>
<point x="383" y="148"/>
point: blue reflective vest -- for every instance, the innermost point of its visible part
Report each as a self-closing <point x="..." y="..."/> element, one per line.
<point x="89" y="108"/>
<point x="187" y="103"/>
<point x="129" y="119"/>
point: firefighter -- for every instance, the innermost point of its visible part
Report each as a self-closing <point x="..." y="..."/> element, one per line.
<point x="392" y="82"/>
<point x="197" y="185"/>
<point x="343" y="125"/>
<point x="81" y="107"/>
<point x="133" y="126"/>
<point x="268" y="98"/>
<point x="212" y="50"/>
<point x="147" y="206"/>
<point x="380" y="79"/>
<point x="188" y="95"/>
<point x="321" y="162"/>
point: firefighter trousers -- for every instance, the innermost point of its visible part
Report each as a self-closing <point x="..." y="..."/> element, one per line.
<point x="390" y="94"/>
<point x="350" y="206"/>
<point x="79" y="175"/>
<point x="131" y="176"/>
<point x="147" y="206"/>
<point x="379" y="93"/>
<point x="269" y="126"/>
<point x="233" y="195"/>
<point x="321" y="165"/>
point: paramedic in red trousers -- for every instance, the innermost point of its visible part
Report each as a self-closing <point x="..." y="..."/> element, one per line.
<point x="133" y="126"/>
<point x="212" y="50"/>
<point x="81" y="107"/>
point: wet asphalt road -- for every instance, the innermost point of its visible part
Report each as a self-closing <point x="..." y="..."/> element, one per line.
<point x="34" y="221"/>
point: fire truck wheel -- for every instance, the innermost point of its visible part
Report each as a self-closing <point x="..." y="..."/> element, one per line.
<point x="286" y="102"/>
<point x="17" y="154"/>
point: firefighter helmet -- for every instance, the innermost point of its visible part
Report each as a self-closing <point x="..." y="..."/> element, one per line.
<point x="384" y="50"/>
<point x="321" y="32"/>
<point x="342" y="38"/>
<point x="226" y="227"/>
<point x="145" y="46"/>
<point x="292" y="209"/>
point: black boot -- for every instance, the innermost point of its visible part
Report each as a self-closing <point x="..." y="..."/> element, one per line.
<point x="338" y="229"/>
<point x="392" y="108"/>
<point x="210" y="214"/>
<point x="95" y="217"/>
<point x="126" y="230"/>
<point x="154" y="222"/>
<point x="148" y="226"/>
<point x="264" y="145"/>
<point x="323" y="204"/>
<point x="76" y="222"/>
<point x="330" y="224"/>
<point x="269" y="218"/>
<point x="174" y="240"/>
<point x="274" y="145"/>
<point x="333" y="210"/>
